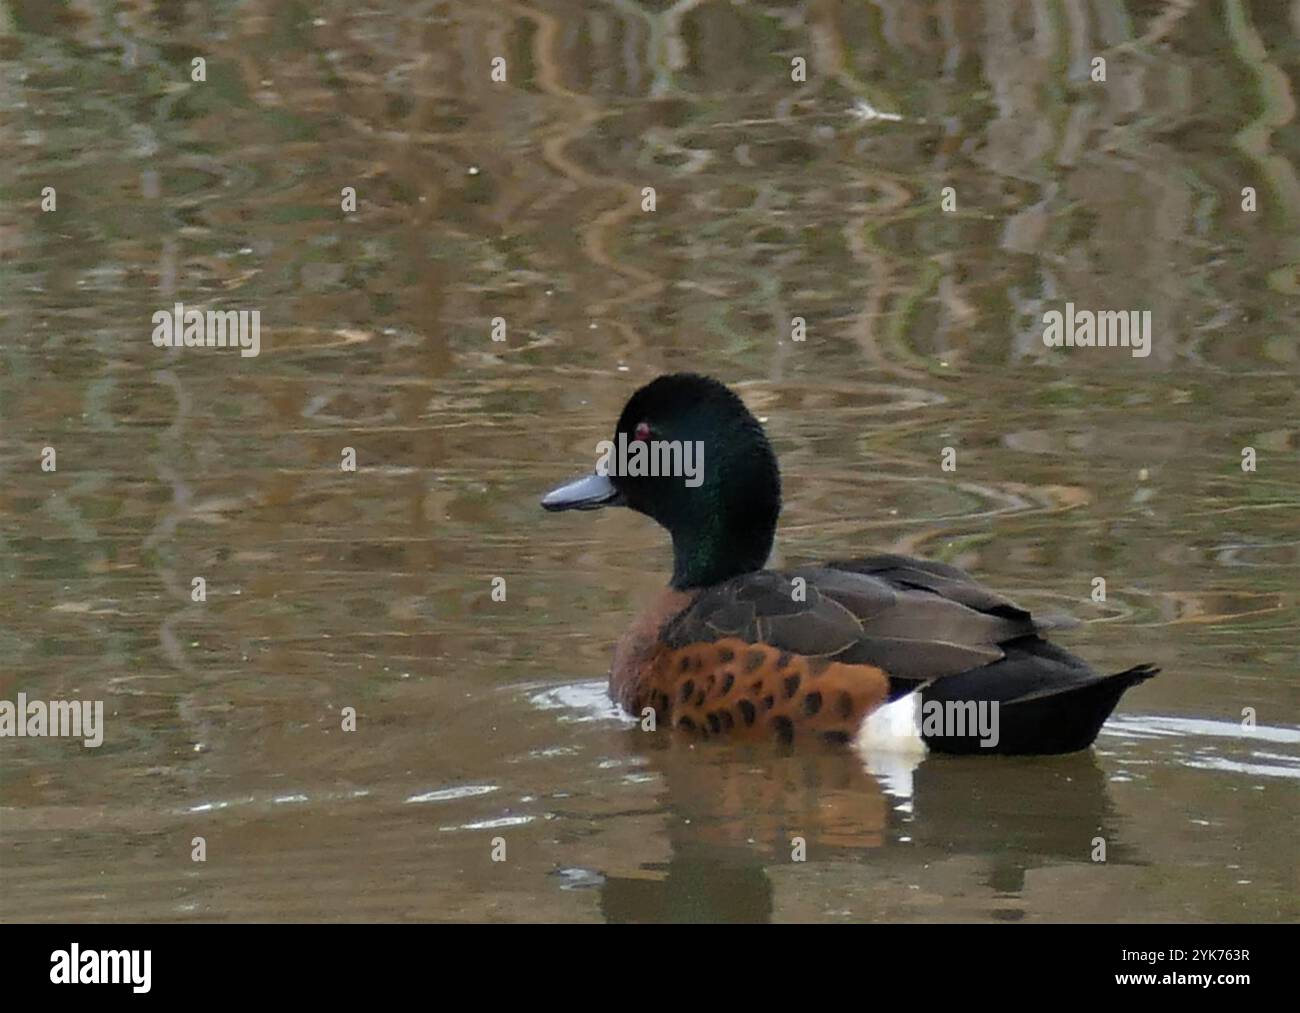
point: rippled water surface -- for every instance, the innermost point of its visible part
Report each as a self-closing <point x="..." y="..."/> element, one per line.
<point x="477" y="199"/>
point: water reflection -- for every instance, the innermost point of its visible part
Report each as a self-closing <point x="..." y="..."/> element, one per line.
<point x="731" y="821"/>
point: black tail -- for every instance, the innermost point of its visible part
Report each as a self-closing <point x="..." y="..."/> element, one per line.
<point x="1048" y="701"/>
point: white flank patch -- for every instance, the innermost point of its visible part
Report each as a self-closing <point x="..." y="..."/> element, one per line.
<point x="889" y="743"/>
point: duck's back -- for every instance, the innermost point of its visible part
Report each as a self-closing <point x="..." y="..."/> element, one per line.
<point x="814" y="650"/>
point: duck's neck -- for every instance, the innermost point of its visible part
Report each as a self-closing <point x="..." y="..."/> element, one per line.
<point x="708" y="554"/>
<point x="727" y="528"/>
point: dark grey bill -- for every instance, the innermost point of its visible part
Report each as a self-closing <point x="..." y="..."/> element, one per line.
<point x="591" y="492"/>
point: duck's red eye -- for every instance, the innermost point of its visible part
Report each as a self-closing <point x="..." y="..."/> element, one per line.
<point x="642" y="431"/>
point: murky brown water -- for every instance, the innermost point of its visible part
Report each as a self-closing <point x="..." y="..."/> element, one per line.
<point x="522" y="200"/>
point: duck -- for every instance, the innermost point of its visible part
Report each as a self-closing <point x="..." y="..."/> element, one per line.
<point x="730" y="649"/>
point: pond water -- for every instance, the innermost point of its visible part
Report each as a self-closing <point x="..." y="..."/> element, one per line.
<point x="483" y="721"/>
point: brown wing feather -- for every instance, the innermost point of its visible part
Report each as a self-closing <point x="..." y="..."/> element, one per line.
<point x="937" y="578"/>
<point x="916" y="620"/>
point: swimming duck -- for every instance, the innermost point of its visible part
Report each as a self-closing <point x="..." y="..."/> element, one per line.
<point x="732" y="649"/>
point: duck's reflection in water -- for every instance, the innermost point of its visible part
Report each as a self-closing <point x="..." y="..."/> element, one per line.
<point x="736" y="816"/>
